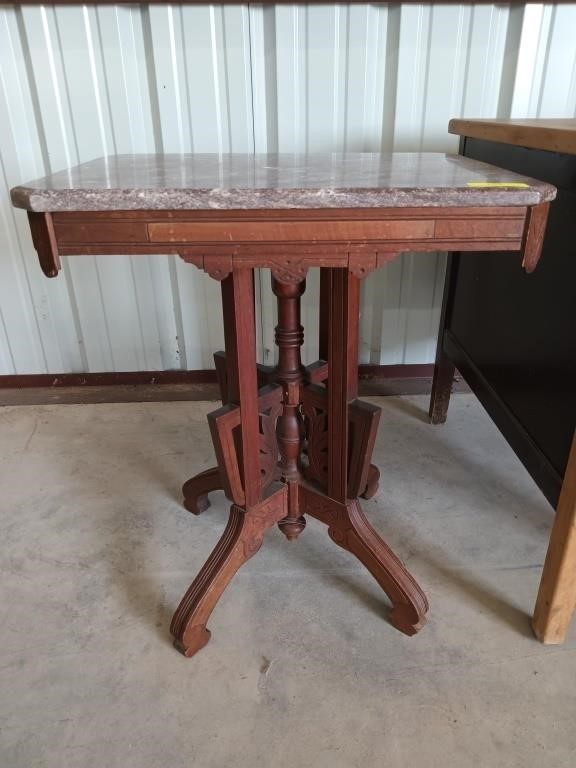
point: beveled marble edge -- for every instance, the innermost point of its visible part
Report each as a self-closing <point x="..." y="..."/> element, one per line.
<point x="256" y="182"/>
<point x="45" y="201"/>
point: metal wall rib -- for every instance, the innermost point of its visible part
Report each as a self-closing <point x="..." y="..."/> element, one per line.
<point x="77" y="82"/>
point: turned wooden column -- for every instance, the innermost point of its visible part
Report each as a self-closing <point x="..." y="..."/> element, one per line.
<point x="289" y="373"/>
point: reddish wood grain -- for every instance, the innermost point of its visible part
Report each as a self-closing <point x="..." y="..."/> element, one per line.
<point x="349" y="528"/>
<point x="93" y="231"/>
<point x="45" y="242"/>
<point x="239" y="542"/>
<point x="475" y="228"/>
<point x="534" y="236"/>
<point x="254" y="429"/>
<point x="342" y="375"/>
<point x="243" y="362"/>
<point x="242" y="231"/>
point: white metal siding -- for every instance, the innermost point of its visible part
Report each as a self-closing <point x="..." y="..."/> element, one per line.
<point x="77" y="82"/>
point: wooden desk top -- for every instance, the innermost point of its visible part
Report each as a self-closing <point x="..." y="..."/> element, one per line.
<point x="555" y="135"/>
<point x="269" y="182"/>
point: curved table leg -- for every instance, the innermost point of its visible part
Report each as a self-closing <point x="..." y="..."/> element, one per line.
<point x="196" y="490"/>
<point x="354" y="533"/>
<point x="349" y="528"/>
<point x="241" y="540"/>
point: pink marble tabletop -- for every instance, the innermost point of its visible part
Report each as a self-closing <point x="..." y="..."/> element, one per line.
<point x="247" y="181"/>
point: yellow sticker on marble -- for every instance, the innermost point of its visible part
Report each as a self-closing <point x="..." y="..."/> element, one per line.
<point x="514" y="184"/>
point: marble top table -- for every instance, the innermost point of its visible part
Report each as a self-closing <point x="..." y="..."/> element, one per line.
<point x="211" y="181"/>
<point x="289" y="441"/>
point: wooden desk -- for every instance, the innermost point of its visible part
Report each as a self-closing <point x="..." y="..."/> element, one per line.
<point x="289" y="441"/>
<point x="513" y="340"/>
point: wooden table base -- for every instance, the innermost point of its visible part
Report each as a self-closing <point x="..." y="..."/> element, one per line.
<point x="291" y="441"/>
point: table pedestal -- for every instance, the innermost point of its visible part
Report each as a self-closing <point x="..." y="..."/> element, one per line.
<point x="291" y="441"/>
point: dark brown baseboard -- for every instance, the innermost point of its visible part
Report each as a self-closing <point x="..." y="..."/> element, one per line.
<point x="122" y="378"/>
<point x="154" y="386"/>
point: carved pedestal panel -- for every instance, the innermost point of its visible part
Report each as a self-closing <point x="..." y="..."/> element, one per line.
<point x="314" y="441"/>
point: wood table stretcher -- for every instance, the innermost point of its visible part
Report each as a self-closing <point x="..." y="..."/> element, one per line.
<point x="290" y="441"/>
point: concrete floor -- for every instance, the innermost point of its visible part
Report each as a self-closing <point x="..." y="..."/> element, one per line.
<point x="302" y="669"/>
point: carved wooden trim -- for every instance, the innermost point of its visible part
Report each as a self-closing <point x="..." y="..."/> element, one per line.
<point x="288" y="269"/>
<point x="315" y="412"/>
<point x="192" y="257"/>
<point x="224" y="428"/>
<point x="218" y="267"/>
<point x="349" y="528"/>
<point x="362" y="265"/>
<point x="241" y="540"/>
<point x="270" y="407"/>
<point x="291" y="270"/>
<point x="363" y="420"/>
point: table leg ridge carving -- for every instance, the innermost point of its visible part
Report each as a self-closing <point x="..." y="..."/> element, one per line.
<point x="349" y="528"/>
<point x="241" y="539"/>
<point x="294" y="437"/>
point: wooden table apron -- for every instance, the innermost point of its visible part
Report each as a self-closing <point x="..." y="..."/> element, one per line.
<point x="290" y="441"/>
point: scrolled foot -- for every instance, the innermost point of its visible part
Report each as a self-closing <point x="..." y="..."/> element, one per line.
<point x="349" y="528"/>
<point x="408" y="600"/>
<point x="194" y="639"/>
<point x="239" y="542"/>
<point x="406" y="619"/>
<point x="196" y="490"/>
<point x="196" y="504"/>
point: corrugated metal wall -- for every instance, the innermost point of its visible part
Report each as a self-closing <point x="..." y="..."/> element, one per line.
<point x="78" y="82"/>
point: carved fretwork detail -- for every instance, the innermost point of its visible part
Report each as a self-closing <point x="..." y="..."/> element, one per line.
<point x="363" y="419"/>
<point x="192" y="257"/>
<point x="269" y="469"/>
<point x="218" y="267"/>
<point x="292" y="270"/>
<point x="314" y="410"/>
<point x="298" y="428"/>
<point x="362" y="265"/>
<point x="225" y="430"/>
